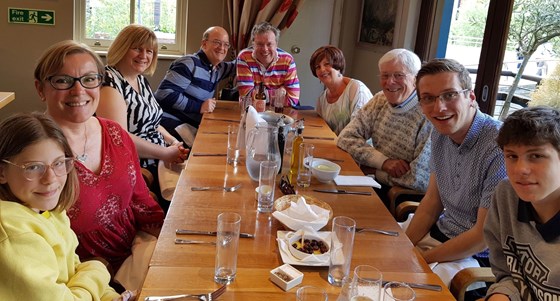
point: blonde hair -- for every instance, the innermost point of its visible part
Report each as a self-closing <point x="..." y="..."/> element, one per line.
<point x="24" y="129"/>
<point x="133" y="36"/>
<point x="52" y="60"/>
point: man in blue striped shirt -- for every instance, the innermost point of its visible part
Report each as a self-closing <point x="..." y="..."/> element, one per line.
<point x="187" y="90"/>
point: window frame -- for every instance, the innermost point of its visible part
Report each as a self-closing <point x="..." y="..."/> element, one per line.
<point x="179" y="48"/>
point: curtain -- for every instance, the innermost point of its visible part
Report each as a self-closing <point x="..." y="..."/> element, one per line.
<point x="244" y="14"/>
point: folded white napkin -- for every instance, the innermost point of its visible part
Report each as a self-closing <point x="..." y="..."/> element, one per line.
<point x="356" y="181"/>
<point x="300" y="215"/>
<point x="168" y="178"/>
<point x="312" y="259"/>
<point x="248" y="122"/>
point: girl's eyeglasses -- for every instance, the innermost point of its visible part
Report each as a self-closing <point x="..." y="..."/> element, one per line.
<point x="36" y="170"/>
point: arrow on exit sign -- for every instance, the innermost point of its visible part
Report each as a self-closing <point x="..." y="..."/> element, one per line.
<point x="30" y="16"/>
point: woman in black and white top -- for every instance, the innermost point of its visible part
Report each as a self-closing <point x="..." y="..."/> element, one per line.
<point x="126" y="97"/>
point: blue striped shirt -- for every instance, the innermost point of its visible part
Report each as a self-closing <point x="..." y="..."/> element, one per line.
<point x="190" y="81"/>
<point x="467" y="174"/>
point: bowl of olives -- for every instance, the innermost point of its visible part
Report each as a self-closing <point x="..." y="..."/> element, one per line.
<point x="303" y="245"/>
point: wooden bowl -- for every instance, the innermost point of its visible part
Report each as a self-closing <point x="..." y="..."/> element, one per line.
<point x="284" y="202"/>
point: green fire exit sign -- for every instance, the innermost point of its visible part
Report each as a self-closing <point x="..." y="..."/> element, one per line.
<point x="30" y="16"/>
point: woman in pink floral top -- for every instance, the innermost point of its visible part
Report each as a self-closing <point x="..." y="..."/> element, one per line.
<point x="115" y="216"/>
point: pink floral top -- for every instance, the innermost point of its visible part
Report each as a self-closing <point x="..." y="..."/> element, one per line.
<point x="114" y="204"/>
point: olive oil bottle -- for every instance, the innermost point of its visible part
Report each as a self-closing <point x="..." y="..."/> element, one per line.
<point x="294" y="162"/>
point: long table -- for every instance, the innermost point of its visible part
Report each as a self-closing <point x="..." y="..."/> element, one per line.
<point x="177" y="269"/>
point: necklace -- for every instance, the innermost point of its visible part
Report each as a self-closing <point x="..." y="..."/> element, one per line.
<point x="83" y="157"/>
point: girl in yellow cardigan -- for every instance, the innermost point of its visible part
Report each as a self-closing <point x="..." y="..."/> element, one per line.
<point x="37" y="247"/>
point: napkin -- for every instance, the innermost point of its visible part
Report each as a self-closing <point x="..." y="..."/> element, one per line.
<point x="300" y="214"/>
<point x="247" y="123"/>
<point x="356" y="181"/>
<point x="168" y="177"/>
<point x="187" y="133"/>
<point x="311" y="259"/>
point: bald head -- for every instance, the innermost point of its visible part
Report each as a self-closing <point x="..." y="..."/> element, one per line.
<point x="215" y="44"/>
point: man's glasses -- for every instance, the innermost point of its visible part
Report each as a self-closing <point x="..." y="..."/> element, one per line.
<point x="446" y="97"/>
<point x="65" y="82"/>
<point x="398" y="76"/>
<point x="218" y="43"/>
<point x="36" y="170"/>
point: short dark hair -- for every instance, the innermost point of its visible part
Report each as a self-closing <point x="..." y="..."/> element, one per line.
<point x="263" y="27"/>
<point x="531" y="126"/>
<point x="24" y="129"/>
<point x="334" y="56"/>
<point x="436" y="66"/>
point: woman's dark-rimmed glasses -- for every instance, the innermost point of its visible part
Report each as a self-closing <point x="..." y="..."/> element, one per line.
<point x="65" y="82"/>
<point x="36" y="170"/>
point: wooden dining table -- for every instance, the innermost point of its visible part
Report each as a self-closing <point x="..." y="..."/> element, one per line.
<point x="179" y="269"/>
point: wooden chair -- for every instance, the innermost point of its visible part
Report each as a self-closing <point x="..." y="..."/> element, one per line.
<point x="398" y="195"/>
<point x="149" y="179"/>
<point x="462" y="280"/>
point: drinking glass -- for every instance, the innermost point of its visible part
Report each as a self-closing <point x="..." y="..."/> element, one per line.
<point x="227" y="242"/>
<point x="366" y="284"/>
<point x="305" y="161"/>
<point x="267" y="185"/>
<point x="311" y="293"/>
<point x="244" y="102"/>
<point x="232" y="146"/>
<point x="277" y="99"/>
<point x="342" y="243"/>
<point x="398" y="291"/>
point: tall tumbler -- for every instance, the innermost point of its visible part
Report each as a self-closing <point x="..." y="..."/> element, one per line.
<point x="267" y="185"/>
<point x="342" y="243"/>
<point x="227" y="242"/>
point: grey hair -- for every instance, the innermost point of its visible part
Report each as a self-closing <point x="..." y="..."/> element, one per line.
<point x="406" y="57"/>
<point x="263" y="27"/>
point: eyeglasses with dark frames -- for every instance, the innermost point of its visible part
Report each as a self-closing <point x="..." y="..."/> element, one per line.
<point x="66" y="82"/>
<point x="36" y="170"/>
<point x="446" y="97"/>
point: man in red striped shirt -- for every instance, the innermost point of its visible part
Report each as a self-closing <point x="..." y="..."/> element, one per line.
<point x="265" y="62"/>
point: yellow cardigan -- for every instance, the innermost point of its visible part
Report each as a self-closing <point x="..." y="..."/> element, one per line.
<point x="38" y="259"/>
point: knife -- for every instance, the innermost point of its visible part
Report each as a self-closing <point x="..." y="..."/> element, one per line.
<point x="339" y="191"/>
<point x="211" y="233"/>
<point x="197" y="242"/>
<point x="431" y="287"/>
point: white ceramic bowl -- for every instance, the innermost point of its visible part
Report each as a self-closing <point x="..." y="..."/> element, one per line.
<point x="324" y="170"/>
<point x="300" y="254"/>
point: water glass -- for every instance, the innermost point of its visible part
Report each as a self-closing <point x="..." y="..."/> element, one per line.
<point x="305" y="161"/>
<point x="244" y="102"/>
<point x="232" y="145"/>
<point x="277" y="99"/>
<point x="267" y="185"/>
<point x="311" y="293"/>
<point x="366" y="284"/>
<point x="342" y="243"/>
<point x="227" y="242"/>
<point x="398" y="291"/>
<point x="346" y="290"/>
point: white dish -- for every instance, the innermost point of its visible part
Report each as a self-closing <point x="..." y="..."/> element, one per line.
<point x="287" y="256"/>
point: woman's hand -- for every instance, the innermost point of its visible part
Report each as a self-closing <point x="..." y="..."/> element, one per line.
<point x="175" y="153"/>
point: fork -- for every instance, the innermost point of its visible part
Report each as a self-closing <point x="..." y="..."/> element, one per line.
<point x="202" y="297"/>
<point x="224" y="188"/>
<point x="386" y="232"/>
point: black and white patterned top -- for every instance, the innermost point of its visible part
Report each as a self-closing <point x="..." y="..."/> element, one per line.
<point x="143" y="111"/>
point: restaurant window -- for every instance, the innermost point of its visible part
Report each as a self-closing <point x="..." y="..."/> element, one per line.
<point x="97" y="22"/>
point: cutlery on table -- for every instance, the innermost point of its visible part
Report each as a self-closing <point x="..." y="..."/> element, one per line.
<point x="202" y="297"/>
<point x="339" y="191"/>
<point x="193" y="242"/>
<point x="386" y="232"/>
<point x="318" y="138"/>
<point x="212" y="233"/>
<point x="430" y="287"/>
<point x="208" y="155"/>
<point x="222" y="119"/>
<point x="225" y="133"/>
<point x="224" y="188"/>
<point x="331" y="159"/>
